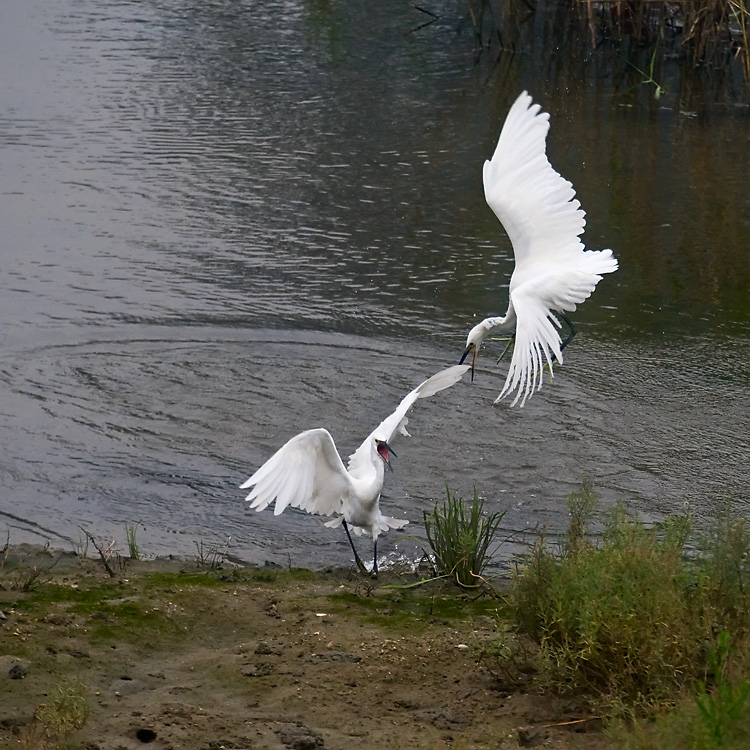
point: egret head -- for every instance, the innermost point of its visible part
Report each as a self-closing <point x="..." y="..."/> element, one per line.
<point x="385" y="452"/>
<point x="473" y="341"/>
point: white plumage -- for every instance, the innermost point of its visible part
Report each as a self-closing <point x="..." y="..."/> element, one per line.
<point x="553" y="272"/>
<point x="307" y="471"/>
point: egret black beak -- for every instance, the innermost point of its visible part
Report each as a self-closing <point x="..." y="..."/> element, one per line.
<point x="473" y="349"/>
<point x="385" y="452"/>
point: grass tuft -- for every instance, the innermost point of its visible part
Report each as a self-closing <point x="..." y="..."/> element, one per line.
<point x="66" y="710"/>
<point x="131" y="534"/>
<point x="461" y="537"/>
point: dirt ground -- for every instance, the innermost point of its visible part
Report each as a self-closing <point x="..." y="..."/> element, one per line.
<point x="173" y="656"/>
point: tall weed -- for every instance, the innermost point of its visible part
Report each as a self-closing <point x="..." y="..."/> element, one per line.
<point x="615" y="620"/>
<point x="717" y="717"/>
<point x="723" y="572"/>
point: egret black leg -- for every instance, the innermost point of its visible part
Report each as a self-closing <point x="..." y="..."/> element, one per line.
<point x="375" y="559"/>
<point x="360" y="564"/>
<point x="572" y="331"/>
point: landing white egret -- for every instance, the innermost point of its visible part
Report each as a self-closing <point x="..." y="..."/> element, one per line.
<point x="553" y="272"/>
<point x="307" y="472"/>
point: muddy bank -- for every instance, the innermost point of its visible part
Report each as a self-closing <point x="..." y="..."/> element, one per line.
<point x="176" y="656"/>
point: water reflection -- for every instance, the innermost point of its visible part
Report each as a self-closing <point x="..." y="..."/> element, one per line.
<point x="227" y="222"/>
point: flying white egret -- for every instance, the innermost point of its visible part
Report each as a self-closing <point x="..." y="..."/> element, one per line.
<point x="553" y="272"/>
<point x="307" y="472"/>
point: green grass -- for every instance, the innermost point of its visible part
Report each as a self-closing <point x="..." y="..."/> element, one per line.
<point x="120" y="611"/>
<point x="461" y="538"/>
<point x="412" y="609"/>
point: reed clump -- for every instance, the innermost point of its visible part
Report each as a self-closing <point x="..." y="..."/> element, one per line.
<point x="712" y="33"/>
<point x="702" y="32"/>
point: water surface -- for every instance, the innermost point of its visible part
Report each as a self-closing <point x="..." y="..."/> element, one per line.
<point x="224" y="223"/>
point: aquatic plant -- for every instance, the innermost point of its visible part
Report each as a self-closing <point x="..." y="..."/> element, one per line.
<point x="131" y="536"/>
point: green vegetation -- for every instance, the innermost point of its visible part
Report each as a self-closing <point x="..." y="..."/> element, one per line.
<point x="65" y="711"/>
<point x="646" y="626"/>
<point x="131" y="533"/>
<point x="647" y="617"/>
<point x="412" y="609"/>
<point x="460" y="538"/>
<point x="614" y="620"/>
<point x="715" y="717"/>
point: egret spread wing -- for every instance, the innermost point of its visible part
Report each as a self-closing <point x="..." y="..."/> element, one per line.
<point x="397" y="421"/>
<point x="536" y="206"/>
<point x="537" y="339"/>
<point x="306" y="473"/>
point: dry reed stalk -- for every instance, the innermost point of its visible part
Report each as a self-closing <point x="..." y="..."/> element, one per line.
<point x="705" y="34"/>
<point x="710" y="32"/>
<point x="742" y="17"/>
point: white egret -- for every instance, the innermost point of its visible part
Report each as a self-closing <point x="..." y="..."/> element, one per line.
<point x="307" y="472"/>
<point x="553" y="272"/>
